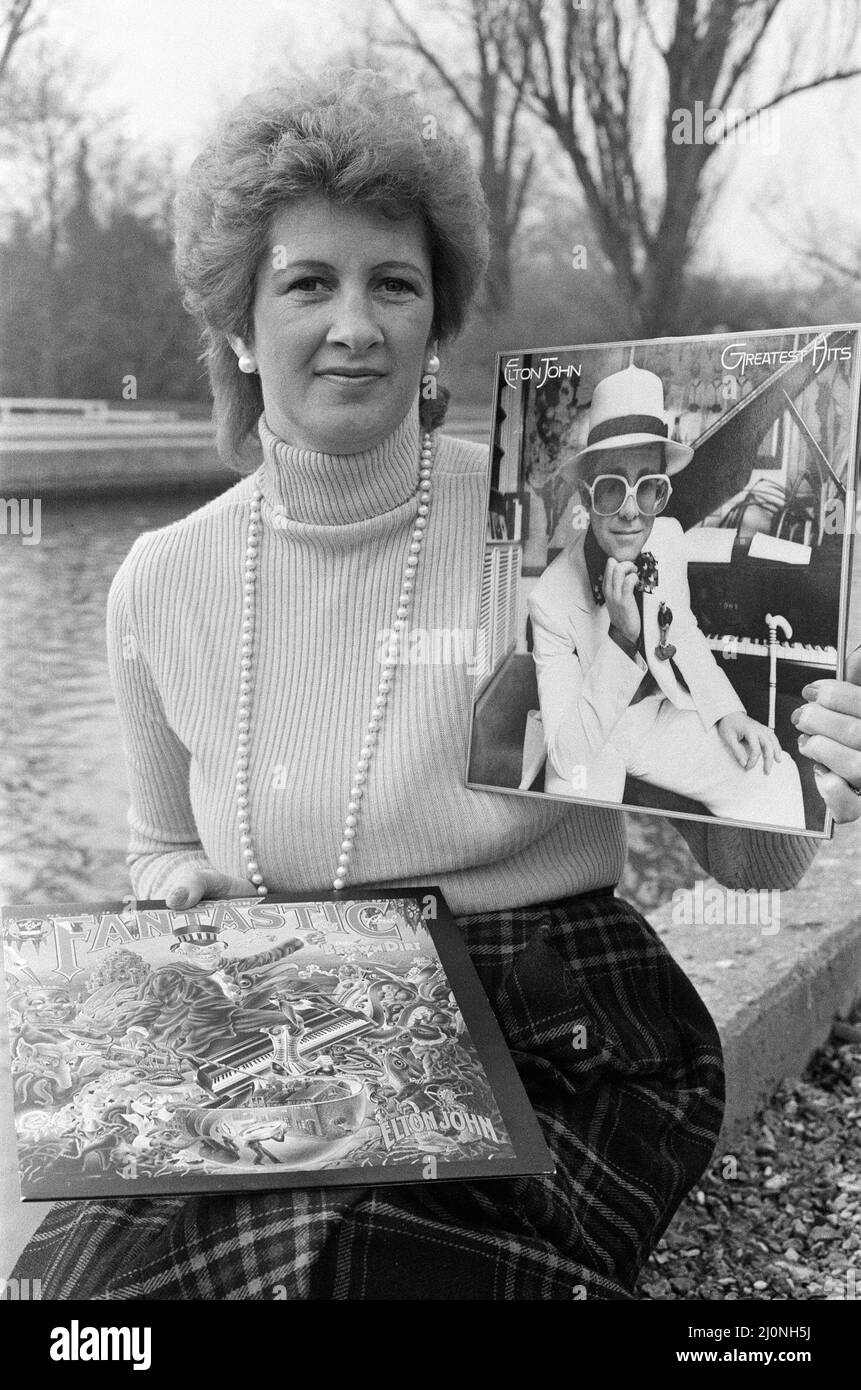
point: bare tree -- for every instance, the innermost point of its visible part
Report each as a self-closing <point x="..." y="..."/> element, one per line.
<point x="44" y="119"/>
<point x="824" y="240"/>
<point x="490" y="93"/>
<point x="14" y="26"/>
<point x="841" y="261"/>
<point x="597" y="72"/>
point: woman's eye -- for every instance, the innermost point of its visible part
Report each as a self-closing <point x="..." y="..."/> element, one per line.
<point x="308" y="283"/>
<point x="394" y="285"/>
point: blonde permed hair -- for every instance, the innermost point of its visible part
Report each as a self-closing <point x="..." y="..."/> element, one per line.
<point x="353" y="136"/>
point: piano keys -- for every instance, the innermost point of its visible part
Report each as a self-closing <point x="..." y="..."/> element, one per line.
<point x="231" y="1070"/>
<point x="236" y="1064"/>
<point x="800" y="653"/>
<point x="731" y="603"/>
<point x="327" y="1024"/>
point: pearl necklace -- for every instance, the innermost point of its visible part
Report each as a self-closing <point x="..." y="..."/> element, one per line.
<point x="390" y="661"/>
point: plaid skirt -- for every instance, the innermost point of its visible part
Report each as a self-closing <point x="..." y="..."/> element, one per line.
<point x="632" y="1119"/>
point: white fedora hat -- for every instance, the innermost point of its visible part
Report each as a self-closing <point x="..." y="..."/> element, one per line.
<point x="628" y="409"/>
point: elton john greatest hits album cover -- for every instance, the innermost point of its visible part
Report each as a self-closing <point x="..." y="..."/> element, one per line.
<point x="668" y="566"/>
<point x="243" y="1045"/>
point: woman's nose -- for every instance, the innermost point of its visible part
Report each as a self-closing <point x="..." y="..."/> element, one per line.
<point x="354" y="323"/>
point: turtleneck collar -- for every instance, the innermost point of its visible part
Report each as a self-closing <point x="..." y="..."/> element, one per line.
<point x="322" y="489"/>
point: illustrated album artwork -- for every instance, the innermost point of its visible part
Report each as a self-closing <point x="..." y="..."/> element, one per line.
<point x="668" y="566"/>
<point x="246" y="1044"/>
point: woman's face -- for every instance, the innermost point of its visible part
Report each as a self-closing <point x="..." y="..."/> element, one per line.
<point x="342" y="323"/>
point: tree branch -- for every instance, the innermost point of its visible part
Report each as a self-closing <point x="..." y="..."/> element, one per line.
<point x="634" y="199"/>
<point x="806" y="250"/>
<point x="648" y="25"/>
<point x="808" y="86"/>
<point x="18" y="11"/>
<point x="739" y="68"/>
<point x="416" y="43"/>
<point x="521" y="185"/>
<point x="831" y="263"/>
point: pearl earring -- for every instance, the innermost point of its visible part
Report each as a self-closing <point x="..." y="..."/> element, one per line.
<point x="433" y="364"/>
<point x="247" y="363"/>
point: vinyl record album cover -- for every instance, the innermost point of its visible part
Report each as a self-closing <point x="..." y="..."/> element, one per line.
<point x="667" y="569"/>
<point x="245" y="1044"/>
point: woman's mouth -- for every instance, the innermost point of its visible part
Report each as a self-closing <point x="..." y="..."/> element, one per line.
<point x="350" y="375"/>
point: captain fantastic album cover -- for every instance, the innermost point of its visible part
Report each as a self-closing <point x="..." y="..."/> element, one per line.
<point x="246" y="1045"/>
<point x="668" y="566"/>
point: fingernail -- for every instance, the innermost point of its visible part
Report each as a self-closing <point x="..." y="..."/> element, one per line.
<point x="818" y="767"/>
<point x="177" y="897"/>
<point x="802" y="739"/>
<point x="795" y="716"/>
<point x="811" y="692"/>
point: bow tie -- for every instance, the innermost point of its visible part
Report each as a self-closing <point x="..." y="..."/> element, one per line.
<point x="647" y="571"/>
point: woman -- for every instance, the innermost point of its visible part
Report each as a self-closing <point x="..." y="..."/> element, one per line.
<point x="330" y="252"/>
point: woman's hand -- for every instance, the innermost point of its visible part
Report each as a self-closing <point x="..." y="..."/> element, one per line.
<point x="745" y="737"/>
<point x="829" y="728"/>
<point x="620" y="577"/>
<point x="193" y="884"/>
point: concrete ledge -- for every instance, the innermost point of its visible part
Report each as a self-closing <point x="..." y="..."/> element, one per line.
<point x="774" y="994"/>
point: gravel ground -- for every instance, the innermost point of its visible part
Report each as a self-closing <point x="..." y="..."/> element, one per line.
<point x="778" y="1217"/>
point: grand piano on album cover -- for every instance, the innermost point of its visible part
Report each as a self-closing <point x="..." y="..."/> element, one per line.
<point x="776" y="601"/>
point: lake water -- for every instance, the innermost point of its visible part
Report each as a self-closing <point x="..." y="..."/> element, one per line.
<point x="64" y="786"/>
<point x="63" y="778"/>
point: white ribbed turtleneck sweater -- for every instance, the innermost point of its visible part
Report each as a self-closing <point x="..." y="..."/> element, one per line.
<point x="327" y="586"/>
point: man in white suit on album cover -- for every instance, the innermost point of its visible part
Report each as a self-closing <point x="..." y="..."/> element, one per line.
<point x="627" y="682"/>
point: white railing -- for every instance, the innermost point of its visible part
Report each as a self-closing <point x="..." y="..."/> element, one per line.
<point x="43" y="411"/>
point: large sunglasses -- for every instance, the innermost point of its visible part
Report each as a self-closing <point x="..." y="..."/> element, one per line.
<point x="609" y="492"/>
